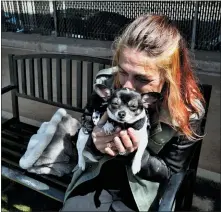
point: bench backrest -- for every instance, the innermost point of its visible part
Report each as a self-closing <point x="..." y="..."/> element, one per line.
<point x="52" y="78"/>
<point x="206" y="91"/>
<point x="57" y="79"/>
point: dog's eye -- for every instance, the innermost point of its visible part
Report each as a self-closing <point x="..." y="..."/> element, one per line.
<point x="133" y="107"/>
<point x="114" y="104"/>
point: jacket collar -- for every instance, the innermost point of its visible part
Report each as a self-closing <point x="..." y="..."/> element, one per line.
<point x="164" y="117"/>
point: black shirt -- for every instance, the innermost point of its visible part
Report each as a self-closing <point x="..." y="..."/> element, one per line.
<point x="113" y="178"/>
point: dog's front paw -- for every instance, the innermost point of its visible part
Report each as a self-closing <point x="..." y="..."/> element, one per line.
<point x="81" y="163"/>
<point x="136" y="166"/>
<point x="108" y="128"/>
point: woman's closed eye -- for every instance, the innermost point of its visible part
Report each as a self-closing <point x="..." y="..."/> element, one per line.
<point x="143" y="79"/>
<point x="122" y="72"/>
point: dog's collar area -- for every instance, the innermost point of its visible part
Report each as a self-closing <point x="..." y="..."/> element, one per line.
<point x="137" y="125"/>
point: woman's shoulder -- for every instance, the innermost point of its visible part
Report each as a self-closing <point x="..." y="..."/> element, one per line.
<point x="201" y="111"/>
<point x="166" y="129"/>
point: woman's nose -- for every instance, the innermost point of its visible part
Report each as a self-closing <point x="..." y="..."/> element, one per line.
<point x="128" y="84"/>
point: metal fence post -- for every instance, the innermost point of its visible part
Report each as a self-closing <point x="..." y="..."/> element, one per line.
<point x="55" y="18"/>
<point x="193" y="40"/>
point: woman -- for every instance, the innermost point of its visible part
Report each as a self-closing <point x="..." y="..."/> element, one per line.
<point x="150" y="56"/>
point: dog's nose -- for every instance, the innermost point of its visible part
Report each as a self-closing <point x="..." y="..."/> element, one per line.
<point x="122" y="114"/>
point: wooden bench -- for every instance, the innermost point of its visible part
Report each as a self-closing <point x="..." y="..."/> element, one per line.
<point x="16" y="134"/>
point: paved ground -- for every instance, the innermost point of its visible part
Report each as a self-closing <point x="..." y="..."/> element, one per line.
<point x="206" y="198"/>
<point x="207" y="73"/>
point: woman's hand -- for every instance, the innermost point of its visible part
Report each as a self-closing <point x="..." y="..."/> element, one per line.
<point x="127" y="141"/>
<point x="120" y="142"/>
<point x="103" y="142"/>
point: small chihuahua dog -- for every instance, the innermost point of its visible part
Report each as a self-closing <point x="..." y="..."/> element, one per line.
<point x="125" y="108"/>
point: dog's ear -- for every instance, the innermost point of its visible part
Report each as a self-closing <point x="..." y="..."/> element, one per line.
<point x="103" y="91"/>
<point x="150" y="98"/>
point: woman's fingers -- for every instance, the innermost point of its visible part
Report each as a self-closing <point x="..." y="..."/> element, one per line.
<point x="108" y="148"/>
<point x="133" y="137"/>
<point x="110" y="151"/>
<point x="118" y="144"/>
<point x="99" y="132"/>
<point x="126" y="140"/>
<point x="104" y="138"/>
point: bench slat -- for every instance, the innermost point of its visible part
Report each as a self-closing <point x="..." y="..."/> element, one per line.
<point x="23" y="76"/>
<point x="49" y="78"/>
<point x="11" y="162"/>
<point x="13" y="143"/>
<point x="59" y="80"/>
<point x="20" y="135"/>
<point x="28" y="130"/>
<point x="13" y="70"/>
<point x="89" y="79"/>
<point x="16" y="136"/>
<point x="25" y="127"/>
<point x="32" y="77"/>
<point x="14" y="153"/>
<point x="40" y="78"/>
<point x="79" y="84"/>
<point x="8" y="122"/>
<point x="101" y="66"/>
<point x="32" y="183"/>
<point x="69" y="81"/>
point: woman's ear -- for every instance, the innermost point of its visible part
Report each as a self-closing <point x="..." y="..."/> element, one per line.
<point x="103" y="91"/>
<point x="150" y="98"/>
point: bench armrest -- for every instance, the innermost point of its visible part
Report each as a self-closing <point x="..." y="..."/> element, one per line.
<point x="171" y="190"/>
<point x="8" y="88"/>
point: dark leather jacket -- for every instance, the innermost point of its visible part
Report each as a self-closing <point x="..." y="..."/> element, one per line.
<point x="168" y="151"/>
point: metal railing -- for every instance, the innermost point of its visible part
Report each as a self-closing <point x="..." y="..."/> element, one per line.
<point x="198" y="21"/>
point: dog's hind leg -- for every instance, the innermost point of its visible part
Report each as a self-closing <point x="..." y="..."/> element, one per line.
<point x="81" y="142"/>
<point x="136" y="165"/>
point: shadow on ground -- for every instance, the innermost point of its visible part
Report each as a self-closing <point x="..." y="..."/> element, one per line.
<point x="206" y="196"/>
<point x="16" y="197"/>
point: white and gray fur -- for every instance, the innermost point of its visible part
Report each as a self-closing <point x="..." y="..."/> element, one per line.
<point x="134" y="106"/>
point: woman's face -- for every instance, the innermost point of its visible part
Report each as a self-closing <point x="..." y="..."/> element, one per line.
<point x="134" y="74"/>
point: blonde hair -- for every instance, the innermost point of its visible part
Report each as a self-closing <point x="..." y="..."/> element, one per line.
<point x="159" y="38"/>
